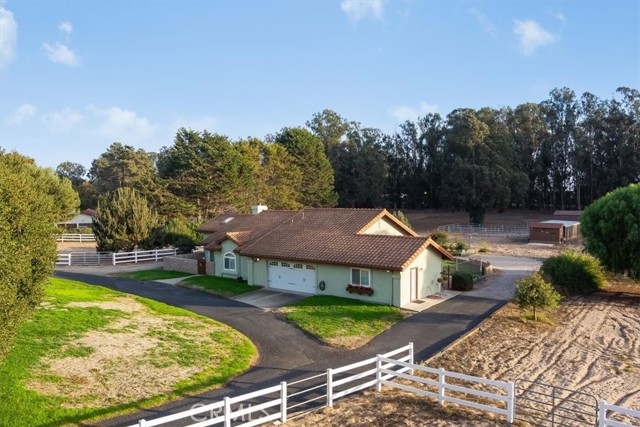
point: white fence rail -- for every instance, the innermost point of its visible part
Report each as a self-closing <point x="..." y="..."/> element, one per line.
<point x="275" y="403"/>
<point x="141" y="256"/>
<point x="75" y="238"/>
<point x="486" y="230"/>
<point x="84" y="258"/>
<point x="607" y="410"/>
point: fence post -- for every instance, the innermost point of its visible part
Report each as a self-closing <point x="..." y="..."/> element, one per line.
<point x="142" y="423"/>
<point x="441" y="381"/>
<point x="602" y="417"/>
<point x="511" y="402"/>
<point x="135" y="257"/>
<point x="283" y="403"/>
<point x="69" y="259"/>
<point x="157" y="260"/>
<point x="113" y="258"/>
<point x="227" y="412"/>
<point x="411" y="359"/>
<point x="378" y="373"/>
<point x="330" y="388"/>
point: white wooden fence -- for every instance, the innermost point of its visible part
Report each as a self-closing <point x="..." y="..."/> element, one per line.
<point x="607" y="410"/>
<point x="275" y="403"/>
<point x="84" y="258"/>
<point x="141" y="256"/>
<point x="75" y="238"/>
<point x="486" y="230"/>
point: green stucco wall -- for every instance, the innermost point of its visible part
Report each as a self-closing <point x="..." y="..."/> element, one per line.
<point x="337" y="277"/>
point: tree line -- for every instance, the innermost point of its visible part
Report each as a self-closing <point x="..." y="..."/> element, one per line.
<point x="561" y="153"/>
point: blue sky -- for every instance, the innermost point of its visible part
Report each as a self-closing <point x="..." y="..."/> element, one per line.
<point x="76" y="76"/>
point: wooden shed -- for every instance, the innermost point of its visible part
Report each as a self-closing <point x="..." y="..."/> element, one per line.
<point x="546" y="232"/>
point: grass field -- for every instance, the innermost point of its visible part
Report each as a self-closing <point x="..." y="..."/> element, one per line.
<point x="153" y="274"/>
<point x="89" y="352"/>
<point x="219" y="285"/>
<point x="341" y="322"/>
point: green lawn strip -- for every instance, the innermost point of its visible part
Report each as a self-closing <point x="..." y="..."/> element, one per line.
<point x="153" y="274"/>
<point x="49" y="331"/>
<point x="219" y="285"/>
<point x="328" y="317"/>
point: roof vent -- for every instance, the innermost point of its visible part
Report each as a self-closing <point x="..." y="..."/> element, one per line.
<point x="228" y="220"/>
<point x="255" y="210"/>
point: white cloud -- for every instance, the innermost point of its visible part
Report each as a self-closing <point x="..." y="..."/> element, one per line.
<point x="122" y="125"/>
<point x="61" y="54"/>
<point x="66" y="27"/>
<point x="403" y="113"/>
<point x="22" y="113"/>
<point x="63" y="120"/>
<point x="8" y="37"/>
<point x="531" y="36"/>
<point x="486" y="25"/>
<point x="360" y="9"/>
<point x="560" y="17"/>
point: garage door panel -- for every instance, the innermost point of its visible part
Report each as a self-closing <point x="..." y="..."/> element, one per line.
<point x="293" y="277"/>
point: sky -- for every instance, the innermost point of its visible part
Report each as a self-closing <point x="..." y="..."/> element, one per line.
<point x="76" y="76"/>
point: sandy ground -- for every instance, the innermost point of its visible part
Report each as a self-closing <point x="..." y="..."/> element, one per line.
<point x="592" y="345"/>
<point x="114" y="373"/>
<point x="67" y="247"/>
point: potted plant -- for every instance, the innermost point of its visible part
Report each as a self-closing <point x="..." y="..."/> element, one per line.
<point x="359" y="289"/>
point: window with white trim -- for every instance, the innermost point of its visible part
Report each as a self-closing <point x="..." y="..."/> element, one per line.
<point x="297" y="265"/>
<point x="273" y="263"/>
<point x="230" y="261"/>
<point x="285" y="264"/>
<point x="361" y="276"/>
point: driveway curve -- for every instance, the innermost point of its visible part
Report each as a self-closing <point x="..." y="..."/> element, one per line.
<point x="287" y="353"/>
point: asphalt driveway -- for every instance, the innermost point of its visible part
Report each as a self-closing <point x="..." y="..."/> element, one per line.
<point x="288" y="353"/>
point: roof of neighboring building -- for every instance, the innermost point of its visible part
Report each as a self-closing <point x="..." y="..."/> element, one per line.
<point x="330" y="236"/>
<point x="545" y="225"/>
<point x="90" y="212"/>
<point x="566" y="223"/>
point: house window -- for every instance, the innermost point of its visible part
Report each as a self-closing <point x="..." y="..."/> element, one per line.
<point x="285" y="264"/>
<point x="311" y="267"/>
<point x="361" y="276"/>
<point x="297" y="265"/>
<point x="274" y="263"/>
<point x="230" y="261"/>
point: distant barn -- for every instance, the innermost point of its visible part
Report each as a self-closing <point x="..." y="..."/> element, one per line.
<point x="553" y="231"/>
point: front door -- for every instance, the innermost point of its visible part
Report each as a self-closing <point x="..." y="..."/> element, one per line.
<point x="414" y="284"/>
<point x="202" y="266"/>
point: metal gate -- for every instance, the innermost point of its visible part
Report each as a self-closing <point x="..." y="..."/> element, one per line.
<point x="546" y="405"/>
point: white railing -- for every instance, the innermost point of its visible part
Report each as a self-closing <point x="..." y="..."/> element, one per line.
<point x="486" y="230"/>
<point x="84" y="258"/>
<point x="493" y="396"/>
<point x="440" y="386"/>
<point x="605" y="421"/>
<point x="141" y="256"/>
<point x="223" y="412"/>
<point x="75" y="238"/>
<point x="63" y="259"/>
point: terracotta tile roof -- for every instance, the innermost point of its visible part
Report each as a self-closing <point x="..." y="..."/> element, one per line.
<point x="332" y="236"/>
<point x="90" y="212"/>
<point x="248" y="229"/>
<point x="218" y="222"/>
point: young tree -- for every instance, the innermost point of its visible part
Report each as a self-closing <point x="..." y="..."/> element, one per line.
<point x="533" y="291"/>
<point x="123" y="221"/>
<point x="611" y="230"/>
<point x="28" y="213"/>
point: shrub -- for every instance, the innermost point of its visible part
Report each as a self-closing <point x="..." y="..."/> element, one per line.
<point x="402" y="218"/>
<point x="533" y="291"/>
<point x="574" y="272"/>
<point x="461" y="282"/>
<point x="461" y="247"/>
<point x="440" y="237"/>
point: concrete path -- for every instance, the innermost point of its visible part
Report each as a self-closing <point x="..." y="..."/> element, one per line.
<point x="269" y="298"/>
<point x="175" y="280"/>
<point x="287" y="353"/>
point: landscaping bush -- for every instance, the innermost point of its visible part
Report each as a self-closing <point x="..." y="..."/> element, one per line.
<point x="461" y="282"/>
<point x="440" y="237"/>
<point x="533" y="291"/>
<point x="574" y="272"/>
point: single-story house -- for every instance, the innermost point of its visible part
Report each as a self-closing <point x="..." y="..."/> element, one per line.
<point x="553" y="231"/>
<point x="83" y="219"/>
<point x="358" y="253"/>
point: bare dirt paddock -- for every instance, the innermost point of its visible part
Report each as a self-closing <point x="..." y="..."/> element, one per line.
<point x="592" y="345"/>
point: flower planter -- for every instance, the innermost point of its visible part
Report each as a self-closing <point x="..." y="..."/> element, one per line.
<point x="359" y="289"/>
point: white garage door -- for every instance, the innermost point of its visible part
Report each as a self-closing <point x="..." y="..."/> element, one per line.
<point x="295" y="277"/>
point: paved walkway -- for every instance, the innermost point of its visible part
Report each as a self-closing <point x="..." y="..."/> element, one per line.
<point x="287" y="353"/>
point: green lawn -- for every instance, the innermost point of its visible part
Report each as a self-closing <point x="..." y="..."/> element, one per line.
<point x="153" y="274"/>
<point x="341" y="322"/>
<point x="35" y="392"/>
<point x="219" y="285"/>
